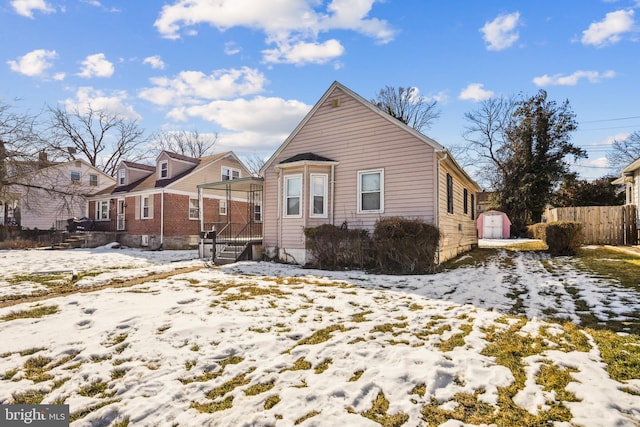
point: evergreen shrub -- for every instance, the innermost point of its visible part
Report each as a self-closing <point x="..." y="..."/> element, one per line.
<point x="405" y="246"/>
<point x="334" y="248"/>
<point x="538" y="231"/>
<point x="563" y="237"/>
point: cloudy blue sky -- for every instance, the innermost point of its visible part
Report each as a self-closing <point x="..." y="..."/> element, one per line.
<point x="251" y="69"/>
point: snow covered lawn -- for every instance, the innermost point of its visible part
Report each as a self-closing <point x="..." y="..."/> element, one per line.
<point x="260" y="344"/>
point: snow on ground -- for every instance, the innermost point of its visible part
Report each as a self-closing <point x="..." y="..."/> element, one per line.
<point x="258" y="344"/>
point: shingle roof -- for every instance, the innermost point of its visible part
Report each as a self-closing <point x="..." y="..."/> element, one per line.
<point x="306" y="156"/>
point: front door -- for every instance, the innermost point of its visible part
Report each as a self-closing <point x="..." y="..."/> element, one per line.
<point x="120" y="221"/>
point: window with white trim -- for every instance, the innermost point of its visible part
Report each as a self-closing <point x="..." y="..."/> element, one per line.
<point x="293" y="196"/>
<point x="223" y="207"/>
<point x="102" y="210"/>
<point x="164" y="169"/>
<point x="93" y="179"/>
<point x="145" y="207"/>
<point x="122" y="176"/>
<point x="371" y="191"/>
<point x="75" y="177"/>
<point x="194" y="210"/>
<point x="257" y="212"/>
<point x="318" y="195"/>
<point x="229" y="173"/>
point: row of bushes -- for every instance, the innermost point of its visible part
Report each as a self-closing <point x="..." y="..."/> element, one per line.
<point x="561" y="237"/>
<point x="396" y="246"/>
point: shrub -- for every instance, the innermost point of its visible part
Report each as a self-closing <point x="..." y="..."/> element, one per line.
<point x="538" y="231"/>
<point x="563" y="237"/>
<point x="405" y="246"/>
<point x="335" y="247"/>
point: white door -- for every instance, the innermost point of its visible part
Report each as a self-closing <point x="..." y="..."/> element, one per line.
<point x="120" y="226"/>
<point x="492" y="227"/>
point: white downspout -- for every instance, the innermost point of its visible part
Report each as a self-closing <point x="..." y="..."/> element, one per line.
<point x="333" y="198"/>
<point x="162" y="219"/>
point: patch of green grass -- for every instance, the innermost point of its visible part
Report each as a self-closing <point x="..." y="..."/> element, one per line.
<point x="75" y="416"/>
<point x="361" y="317"/>
<point x="556" y="379"/>
<point x="621" y="353"/>
<point x="390" y="328"/>
<point x="114" y="340"/>
<point x="95" y="388"/>
<point x="473" y="258"/>
<point x="190" y="364"/>
<point x="9" y="374"/>
<point x="415" y="307"/>
<point x="271" y="401"/>
<point x="35" y="369"/>
<point x="612" y="264"/>
<point x="29" y="397"/>
<point x="118" y="373"/>
<point x="419" y="389"/>
<point x="210" y="375"/>
<point x="162" y="329"/>
<point x="59" y="382"/>
<point x="299" y="365"/>
<point x="122" y="423"/>
<point x="260" y="388"/>
<point x="456" y="340"/>
<point x="356" y="376"/>
<point x="322" y="366"/>
<point x="379" y="413"/>
<point x="306" y="417"/>
<point x="32" y="350"/>
<point x="34" y="313"/>
<point x="321" y="335"/>
<point x="211" y="407"/>
<point x="194" y="347"/>
<point x="237" y="381"/>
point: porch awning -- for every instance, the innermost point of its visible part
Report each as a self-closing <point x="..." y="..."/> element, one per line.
<point x="235" y="186"/>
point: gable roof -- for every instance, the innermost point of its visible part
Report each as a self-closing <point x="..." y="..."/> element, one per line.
<point x="177" y="156"/>
<point x="337" y="85"/>
<point x="632" y="166"/>
<point x="151" y="182"/>
<point x="140" y="166"/>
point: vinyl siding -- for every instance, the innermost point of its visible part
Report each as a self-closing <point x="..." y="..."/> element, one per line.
<point x="359" y="139"/>
<point x="458" y="230"/>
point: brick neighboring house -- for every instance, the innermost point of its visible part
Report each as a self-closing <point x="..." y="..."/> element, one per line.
<point x="158" y="206"/>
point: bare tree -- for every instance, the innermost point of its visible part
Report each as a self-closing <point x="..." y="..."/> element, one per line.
<point x="255" y="162"/>
<point x="486" y="135"/>
<point x="623" y="152"/>
<point x="406" y="105"/>
<point x="103" y="138"/>
<point x="19" y="143"/>
<point x="187" y="143"/>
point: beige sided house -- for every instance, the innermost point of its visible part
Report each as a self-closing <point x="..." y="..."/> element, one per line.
<point x="348" y="161"/>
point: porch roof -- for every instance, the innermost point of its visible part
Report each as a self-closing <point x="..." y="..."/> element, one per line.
<point x="240" y="185"/>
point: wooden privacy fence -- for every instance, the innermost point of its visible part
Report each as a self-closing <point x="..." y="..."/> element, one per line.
<point x="602" y="225"/>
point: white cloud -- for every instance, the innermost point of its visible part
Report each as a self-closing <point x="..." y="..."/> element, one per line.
<point x="475" y="92"/>
<point x="501" y="32"/>
<point x="26" y="7"/>
<point x="190" y="87"/>
<point x="286" y="23"/>
<point x="572" y="79"/>
<point x="96" y="66"/>
<point x="303" y="52"/>
<point x="273" y="116"/>
<point x="59" y="76"/>
<point x="230" y="48"/>
<point x="610" y="29"/>
<point x="99" y="100"/>
<point x="34" y="63"/>
<point x="155" y="61"/>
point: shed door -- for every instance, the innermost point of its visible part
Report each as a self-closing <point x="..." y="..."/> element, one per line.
<point x="492" y="228"/>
